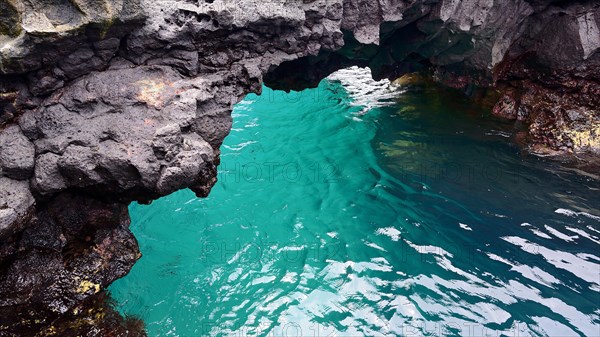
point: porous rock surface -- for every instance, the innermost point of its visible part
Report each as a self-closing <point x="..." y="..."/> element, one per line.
<point x="107" y="102"/>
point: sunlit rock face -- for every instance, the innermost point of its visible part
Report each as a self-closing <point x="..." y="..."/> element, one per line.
<point x="104" y="103"/>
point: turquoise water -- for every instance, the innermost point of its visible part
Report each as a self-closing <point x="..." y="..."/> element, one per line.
<point x="355" y="210"/>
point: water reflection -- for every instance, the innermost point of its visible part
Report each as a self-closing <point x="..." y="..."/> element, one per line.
<point x="415" y="218"/>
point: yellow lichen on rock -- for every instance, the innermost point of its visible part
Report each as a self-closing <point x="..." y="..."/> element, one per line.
<point x="85" y="286"/>
<point x="51" y="331"/>
<point x="585" y="140"/>
<point x="582" y="133"/>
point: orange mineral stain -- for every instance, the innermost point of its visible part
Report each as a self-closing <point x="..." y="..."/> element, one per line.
<point x="152" y="92"/>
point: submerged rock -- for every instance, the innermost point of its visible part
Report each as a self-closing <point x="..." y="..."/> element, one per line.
<point x="105" y="103"/>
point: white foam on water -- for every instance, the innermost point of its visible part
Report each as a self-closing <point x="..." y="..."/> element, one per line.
<point x="540" y="233"/>
<point x="391" y="232"/>
<point x="571" y="213"/>
<point x="560" y="235"/>
<point x="364" y="90"/>
<point x="584" y="234"/>
<point x="533" y="273"/>
<point x="579" y="267"/>
<point x="465" y="227"/>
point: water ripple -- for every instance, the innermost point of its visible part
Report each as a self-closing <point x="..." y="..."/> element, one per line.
<point x="356" y="209"/>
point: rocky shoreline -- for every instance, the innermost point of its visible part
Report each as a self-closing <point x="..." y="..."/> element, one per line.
<point x="103" y="104"/>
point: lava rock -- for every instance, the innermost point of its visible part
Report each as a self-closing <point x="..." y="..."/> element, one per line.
<point x="16" y="201"/>
<point x="17" y="154"/>
<point x="105" y="103"/>
<point x="47" y="179"/>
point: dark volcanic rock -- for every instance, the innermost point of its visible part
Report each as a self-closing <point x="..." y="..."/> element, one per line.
<point x="17" y="154"/>
<point x="93" y="317"/>
<point x="71" y="248"/>
<point x="16" y="202"/>
<point x="105" y="103"/>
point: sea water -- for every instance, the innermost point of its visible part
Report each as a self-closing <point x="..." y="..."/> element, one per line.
<point x="362" y="209"/>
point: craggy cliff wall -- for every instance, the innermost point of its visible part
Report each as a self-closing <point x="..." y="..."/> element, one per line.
<point x="107" y="102"/>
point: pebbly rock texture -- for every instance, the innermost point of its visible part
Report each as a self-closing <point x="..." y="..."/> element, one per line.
<point x="70" y="248"/>
<point x="107" y="102"/>
<point x="95" y="317"/>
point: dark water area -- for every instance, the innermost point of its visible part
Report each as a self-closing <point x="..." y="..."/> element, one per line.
<point x="362" y="209"/>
